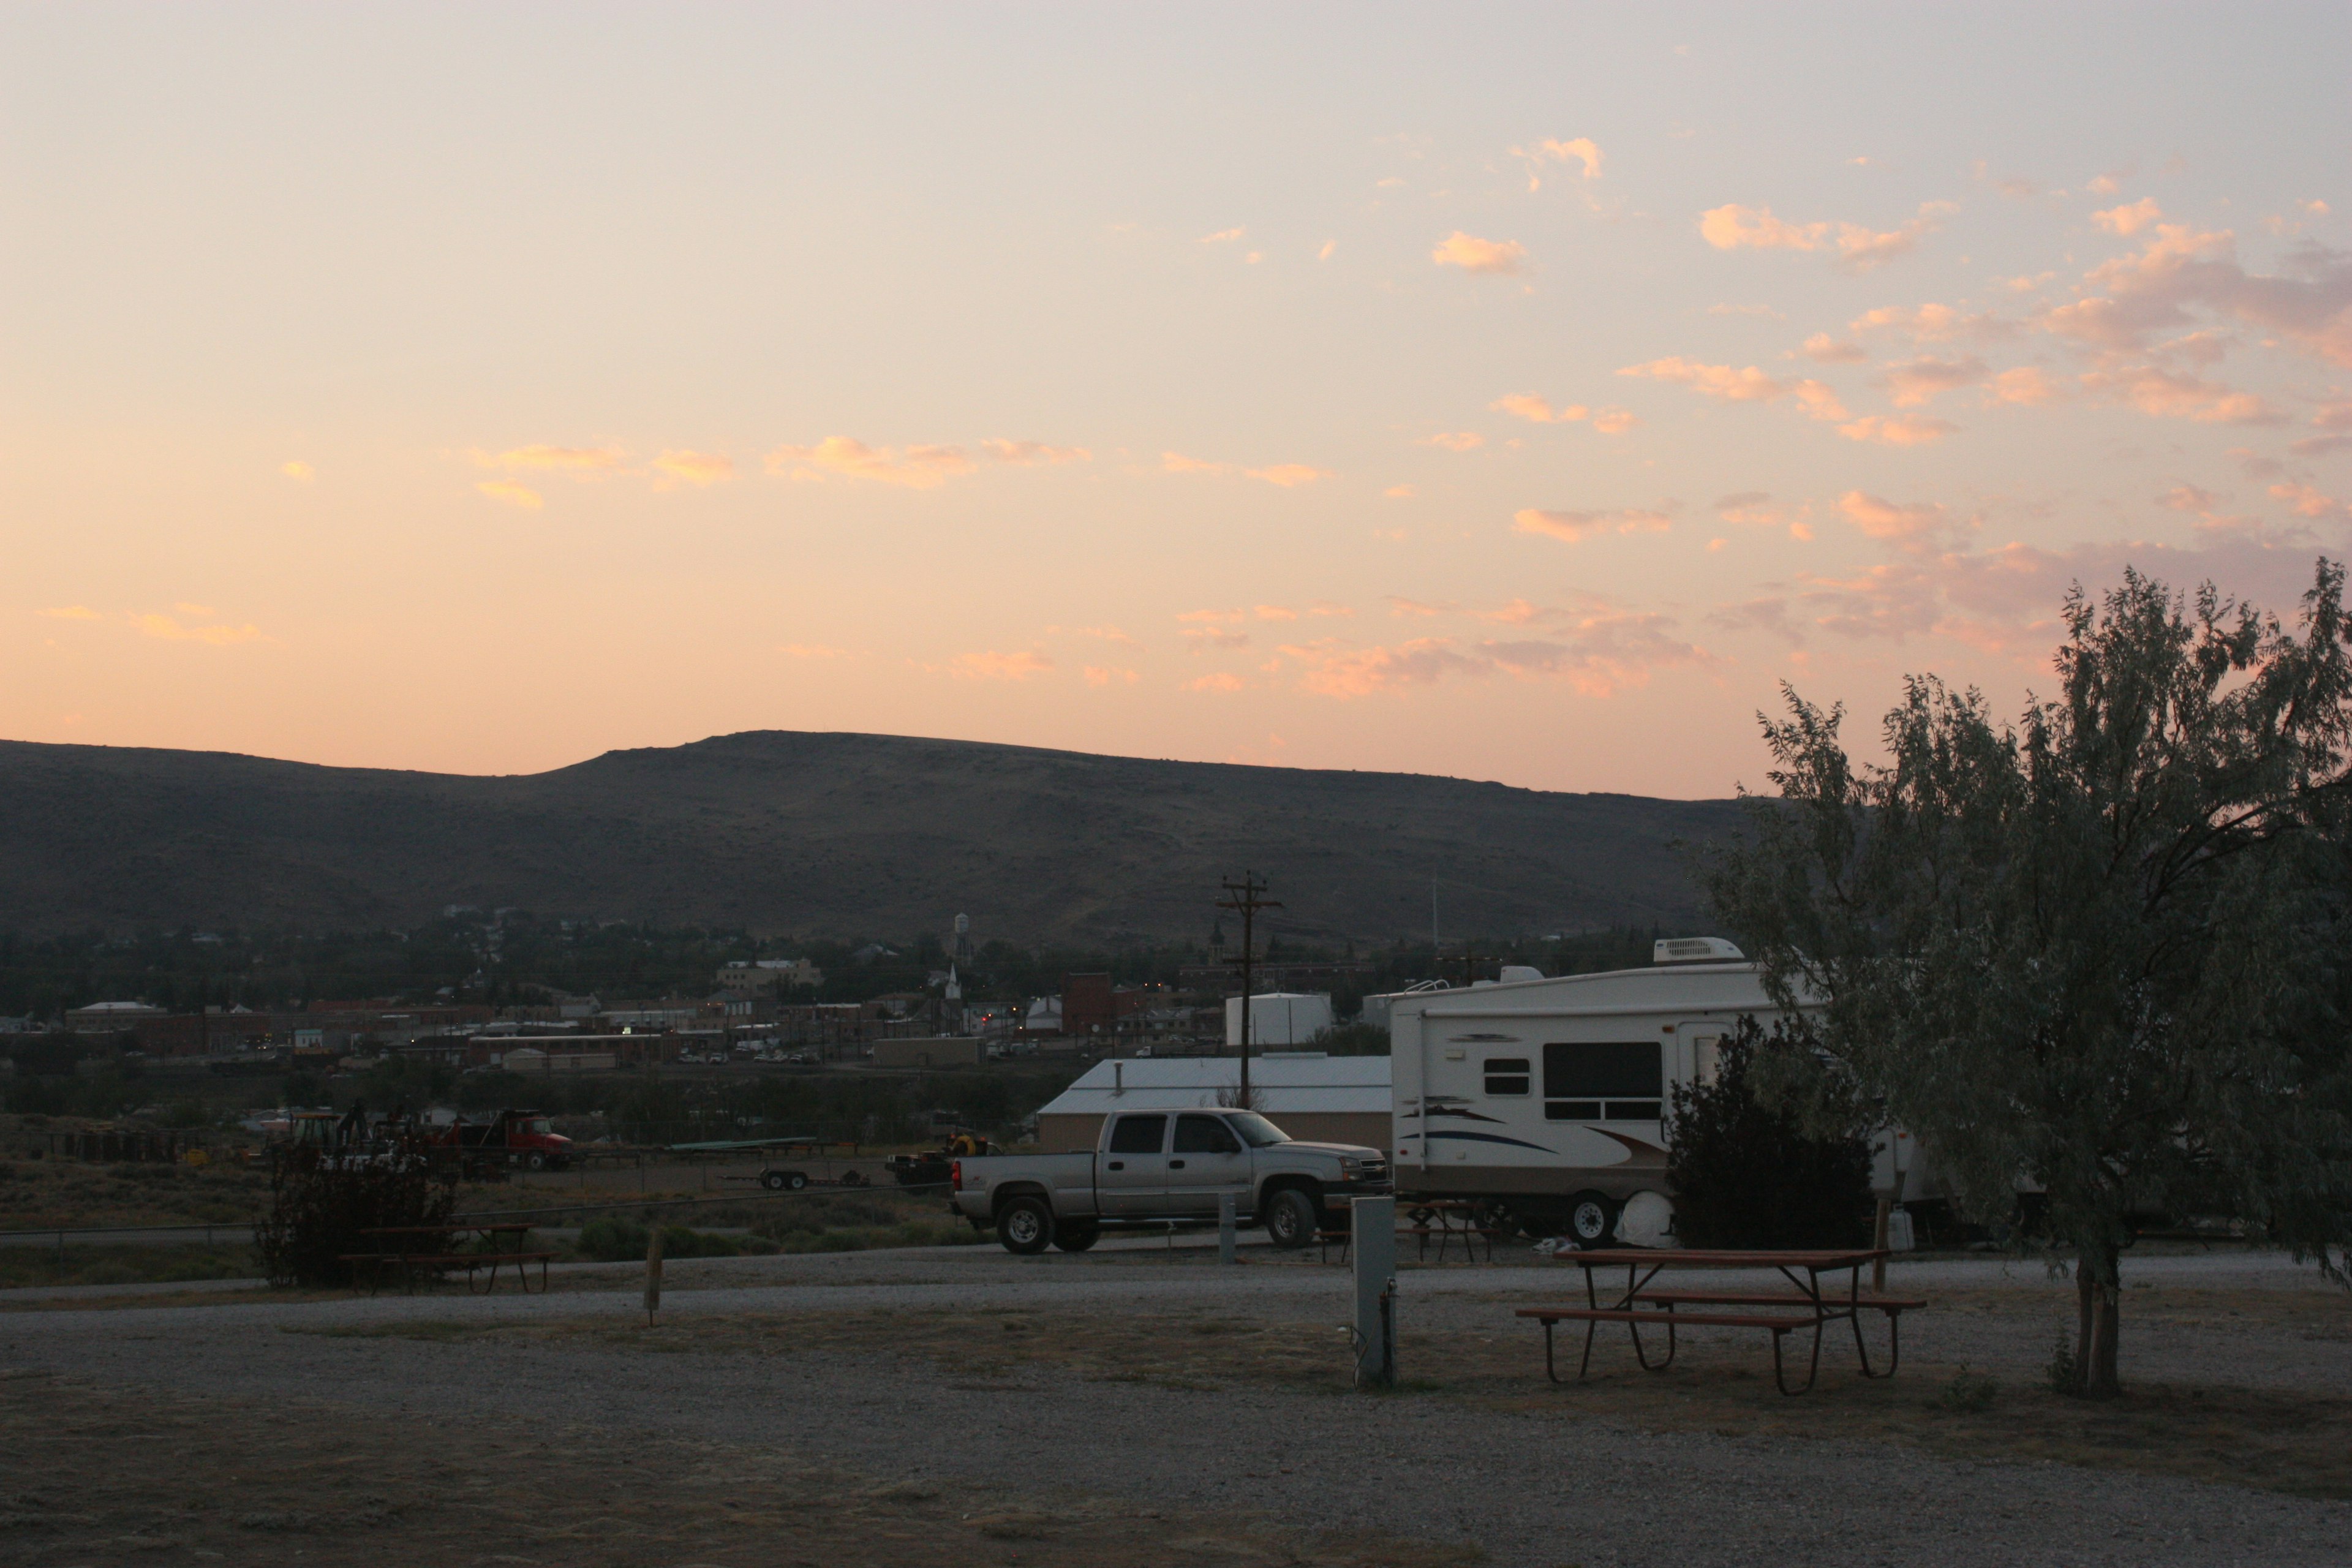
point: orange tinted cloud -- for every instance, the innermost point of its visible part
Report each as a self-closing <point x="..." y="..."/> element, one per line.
<point x="1033" y="454"/>
<point x="1455" y="440"/>
<point x="695" y="467"/>
<point x="986" y="665"/>
<point x="1614" y="421"/>
<point x="1098" y="675"/>
<point x="2129" y="220"/>
<point x="1575" y="526"/>
<point x="1856" y="247"/>
<point x="839" y="457"/>
<point x="511" y="493"/>
<point x="2172" y="394"/>
<point x="1290" y="475"/>
<point x="1908" y="430"/>
<point x="1472" y="254"/>
<point x="169" y="630"/>
<point x="1583" y="152"/>
<point x="1832" y="351"/>
<point x="2304" y="501"/>
<point x="1536" y="410"/>
<point x="1597" y="654"/>
<point x="1741" y="385"/>
<point x="72" y="613"/>
<point x="1914" y="383"/>
<point x="1913" y="530"/>
<point x="299" y="470"/>
<point x="582" y="462"/>
<point x="2026" y="386"/>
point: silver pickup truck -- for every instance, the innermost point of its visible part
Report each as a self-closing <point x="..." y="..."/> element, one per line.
<point x="1156" y="1165"/>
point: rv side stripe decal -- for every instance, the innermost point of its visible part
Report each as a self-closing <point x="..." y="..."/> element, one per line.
<point x="1490" y="1138"/>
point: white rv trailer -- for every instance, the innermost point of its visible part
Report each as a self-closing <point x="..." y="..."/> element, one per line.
<point x="1548" y="1097"/>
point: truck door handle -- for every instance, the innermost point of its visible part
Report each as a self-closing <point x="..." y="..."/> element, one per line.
<point x="1175" y="1165"/>
<point x="1118" y="1166"/>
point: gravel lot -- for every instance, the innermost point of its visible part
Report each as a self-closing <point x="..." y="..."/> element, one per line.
<point x="1536" y="1487"/>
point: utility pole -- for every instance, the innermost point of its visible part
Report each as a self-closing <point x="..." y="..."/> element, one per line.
<point x="1242" y="897"/>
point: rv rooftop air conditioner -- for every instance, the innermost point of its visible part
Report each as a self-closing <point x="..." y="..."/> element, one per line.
<point x="1695" y="950"/>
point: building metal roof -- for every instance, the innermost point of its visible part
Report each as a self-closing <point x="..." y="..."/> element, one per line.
<point x="1295" y="1082"/>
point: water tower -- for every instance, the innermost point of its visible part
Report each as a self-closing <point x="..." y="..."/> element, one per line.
<point x="961" y="953"/>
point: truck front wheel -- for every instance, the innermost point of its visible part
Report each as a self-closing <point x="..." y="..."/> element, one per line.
<point x="1025" y="1226"/>
<point x="1290" y="1219"/>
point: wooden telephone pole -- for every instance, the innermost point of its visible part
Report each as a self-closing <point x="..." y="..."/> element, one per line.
<point x="1242" y="897"/>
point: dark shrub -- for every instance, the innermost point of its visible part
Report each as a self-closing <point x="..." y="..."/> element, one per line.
<point x="320" y="1204"/>
<point x="1745" y="1172"/>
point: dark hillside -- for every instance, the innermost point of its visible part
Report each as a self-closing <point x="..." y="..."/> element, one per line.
<point x="781" y="831"/>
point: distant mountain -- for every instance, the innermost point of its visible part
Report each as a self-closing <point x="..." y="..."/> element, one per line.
<point x="824" y="834"/>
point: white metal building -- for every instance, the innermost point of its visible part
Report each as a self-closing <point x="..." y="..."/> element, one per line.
<point x="1312" y="1097"/>
<point x="1278" y="1018"/>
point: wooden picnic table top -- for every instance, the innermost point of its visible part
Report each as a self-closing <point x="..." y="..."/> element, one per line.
<point x="503" y="1227"/>
<point x="1703" y="1257"/>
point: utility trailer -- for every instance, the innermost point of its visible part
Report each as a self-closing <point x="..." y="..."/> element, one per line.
<point x="784" y="1176"/>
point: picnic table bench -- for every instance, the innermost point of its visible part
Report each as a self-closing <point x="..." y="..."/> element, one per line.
<point x="1449" y="1221"/>
<point x="491" y="1256"/>
<point x="1804" y="1305"/>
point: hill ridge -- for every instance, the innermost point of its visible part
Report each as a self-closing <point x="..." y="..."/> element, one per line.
<point x="824" y="832"/>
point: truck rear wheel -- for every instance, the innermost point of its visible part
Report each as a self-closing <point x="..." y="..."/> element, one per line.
<point x="1077" y="1235"/>
<point x="1025" y="1226"/>
<point x="1290" y="1219"/>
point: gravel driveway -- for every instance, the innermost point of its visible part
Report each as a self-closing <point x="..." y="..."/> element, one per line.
<point x="1530" y="1489"/>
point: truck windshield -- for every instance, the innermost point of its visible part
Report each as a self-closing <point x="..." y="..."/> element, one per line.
<point x="1256" y="1130"/>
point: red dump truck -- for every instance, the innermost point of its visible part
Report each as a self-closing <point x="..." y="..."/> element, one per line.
<point x="524" y="1138"/>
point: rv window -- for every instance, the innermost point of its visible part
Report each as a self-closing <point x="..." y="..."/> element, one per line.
<point x="1137" y="1134"/>
<point x="1585" y="1071"/>
<point x="1631" y="1110"/>
<point x="1571" y="1110"/>
<point x="1204" y="1135"/>
<point x="1506" y="1075"/>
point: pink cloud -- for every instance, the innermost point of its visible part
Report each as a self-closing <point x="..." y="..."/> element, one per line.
<point x="1032" y="453"/>
<point x="1828" y="349"/>
<point x="1614" y="421"/>
<point x="1097" y="675"/>
<point x="1906" y="430"/>
<point x="1455" y="440"/>
<point x="1290" y="475"/>
<point x="987" y="666"/>
<point x="1472" y="254"/>
<point x="2169" y="394"/>
<point x="1575" y="526"/>
<point x="2025" y="386"/>
<point x="1536" y="410"/>
<point x="582" y="462"/>
<point x="1581" y="151"/>
<point x="1742" y="385"/>
<point x="1598" y="655"/>
<point x="1914" y="383"/>
<point x="1858" y="248"/>
<point x="2304" y="501"/>
<point x="2129" y="220"/>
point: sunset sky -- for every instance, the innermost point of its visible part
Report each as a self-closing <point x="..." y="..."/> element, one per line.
<point x="1511" y="392"/>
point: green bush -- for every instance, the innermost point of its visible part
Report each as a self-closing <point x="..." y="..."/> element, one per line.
<point x="1745" y="1170"/>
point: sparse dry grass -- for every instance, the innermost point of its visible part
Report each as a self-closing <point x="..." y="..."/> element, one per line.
<point x="2288" y="1441"/>
<point x="102" y="1474"/>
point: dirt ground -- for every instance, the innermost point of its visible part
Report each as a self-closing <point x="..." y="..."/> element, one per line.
<point x="2295" y="1442"/>
<point x="89" y="1473"/>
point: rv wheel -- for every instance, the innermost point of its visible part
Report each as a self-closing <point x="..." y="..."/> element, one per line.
<point x="1590" y="1219"/>
<point x="772" y="1180"/>
<point x="795" y="1180"/>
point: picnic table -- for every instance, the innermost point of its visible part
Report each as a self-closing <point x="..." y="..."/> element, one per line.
<point x="502" y="1243"/>
<point x="1805" y="1305"/>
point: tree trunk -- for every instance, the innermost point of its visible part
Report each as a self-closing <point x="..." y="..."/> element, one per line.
<point x="2099" y="1303"/>
<point x="2086" y="1312"/>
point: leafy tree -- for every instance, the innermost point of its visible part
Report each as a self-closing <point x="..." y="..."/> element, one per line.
<point x="1746" y="1169"/>
<point x="2102" y="952"/>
